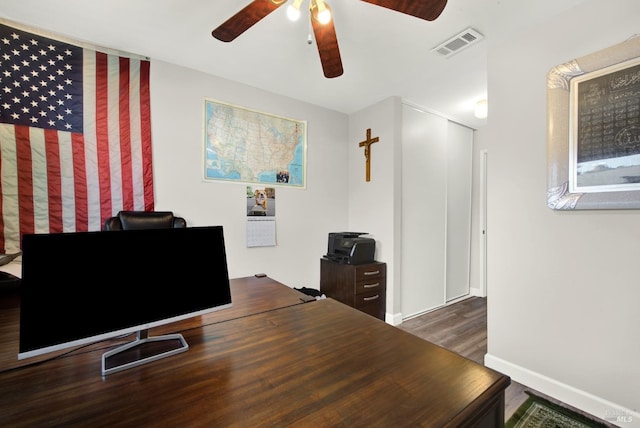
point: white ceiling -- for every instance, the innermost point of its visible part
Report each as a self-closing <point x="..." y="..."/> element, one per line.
<point x="384" y="53"/>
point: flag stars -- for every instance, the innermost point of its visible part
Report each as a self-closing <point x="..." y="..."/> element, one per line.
<point x="38" y="81"/>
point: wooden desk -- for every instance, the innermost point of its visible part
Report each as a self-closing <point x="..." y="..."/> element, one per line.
<point x="249" y="295"/>
<point x="318" y="364"/>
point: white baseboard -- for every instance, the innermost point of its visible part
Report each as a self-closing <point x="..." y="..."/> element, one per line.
<point x="476" y="292"/>
<point x="393" y="319"/>
<point x="596" y="406"/>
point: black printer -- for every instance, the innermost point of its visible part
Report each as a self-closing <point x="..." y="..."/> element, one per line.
<point x="350" y="248"/>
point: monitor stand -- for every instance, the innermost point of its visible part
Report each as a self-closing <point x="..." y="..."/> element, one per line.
<point x="143" y="350"/>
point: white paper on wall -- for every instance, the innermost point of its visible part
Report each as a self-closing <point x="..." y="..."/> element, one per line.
<point x="261" y="231"/>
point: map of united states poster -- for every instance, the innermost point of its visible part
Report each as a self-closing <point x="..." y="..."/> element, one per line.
<point x="248" y="146"/>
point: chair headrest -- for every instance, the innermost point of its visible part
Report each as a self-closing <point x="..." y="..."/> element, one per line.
<point x="146" y="219"/>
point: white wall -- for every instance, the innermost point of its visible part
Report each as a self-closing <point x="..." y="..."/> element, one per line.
<point x="374" y="205"/>
<point x="303" y="217"/>
<point x="563" y="287"/>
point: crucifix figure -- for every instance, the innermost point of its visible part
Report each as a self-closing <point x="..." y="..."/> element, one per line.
<point x="367" y="151"/>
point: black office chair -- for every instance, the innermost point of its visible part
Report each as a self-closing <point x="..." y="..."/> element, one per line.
<point x="128" y="220"/>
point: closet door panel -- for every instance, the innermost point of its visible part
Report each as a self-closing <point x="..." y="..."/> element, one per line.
<point x="424" y="166"/>
<point x="459" y="179"/>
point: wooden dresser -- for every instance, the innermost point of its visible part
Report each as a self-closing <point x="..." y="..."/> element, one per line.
<point x="360" y="286"/>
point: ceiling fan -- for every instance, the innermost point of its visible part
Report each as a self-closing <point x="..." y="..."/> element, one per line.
<point x="323" y="28"/>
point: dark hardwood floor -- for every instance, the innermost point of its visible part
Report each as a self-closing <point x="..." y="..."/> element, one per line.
<point x="462" y="328"/>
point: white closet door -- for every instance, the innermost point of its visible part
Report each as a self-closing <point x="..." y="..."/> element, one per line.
<point x="459" y="179"/>
<point x="424" y="207"/>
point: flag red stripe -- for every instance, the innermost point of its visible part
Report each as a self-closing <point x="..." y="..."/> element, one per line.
<point x="145" y="122"/>
<point x="25" y="180"/>
<point x="125" y="135"/>
<point x="102" y="135"/>
<point x="54" y="181"/>
<point x="81" y="198"/>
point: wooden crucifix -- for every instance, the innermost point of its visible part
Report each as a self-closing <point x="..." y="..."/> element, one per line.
<point x="367" y="151"/>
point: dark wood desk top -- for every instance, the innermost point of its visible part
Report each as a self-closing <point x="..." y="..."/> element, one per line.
<point x="317" y="364"/>
<point x="249" y="295"/>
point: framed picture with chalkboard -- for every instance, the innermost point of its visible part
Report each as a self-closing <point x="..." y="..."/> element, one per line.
<point x="593" y="130"/>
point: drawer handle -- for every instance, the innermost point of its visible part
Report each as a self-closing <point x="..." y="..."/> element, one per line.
<point x="371" y="285"/>
<point x="372" y="273"/>
<point x="366" y="299"/>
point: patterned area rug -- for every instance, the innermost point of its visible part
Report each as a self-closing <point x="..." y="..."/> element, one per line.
<point x="537" y="412"/>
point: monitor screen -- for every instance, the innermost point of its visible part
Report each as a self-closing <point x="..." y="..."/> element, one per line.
<point x="79" y="288"/>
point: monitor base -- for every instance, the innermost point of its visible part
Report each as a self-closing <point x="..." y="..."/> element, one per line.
<point x="142" y="350"/>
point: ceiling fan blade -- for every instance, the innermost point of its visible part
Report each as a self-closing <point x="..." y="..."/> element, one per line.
<point x="423" y="9"/>
<point x="247" y="17"/>
<point x="327" y="42"/>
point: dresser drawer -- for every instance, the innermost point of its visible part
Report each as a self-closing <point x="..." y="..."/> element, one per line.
<point x="371" y="285"/>
<point x="371" y="303"/>
<point x="370" y="271"/>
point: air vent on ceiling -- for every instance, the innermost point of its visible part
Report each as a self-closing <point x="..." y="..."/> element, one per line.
<point x="458" y="42"/>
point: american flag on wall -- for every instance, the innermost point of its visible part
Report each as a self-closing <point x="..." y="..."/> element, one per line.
<point x="75" y="136"/>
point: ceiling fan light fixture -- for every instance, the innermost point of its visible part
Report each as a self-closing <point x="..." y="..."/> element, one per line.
<point x="481" y="109"/>
<point x="320" y="11"/>
<point x="293" y="10"/>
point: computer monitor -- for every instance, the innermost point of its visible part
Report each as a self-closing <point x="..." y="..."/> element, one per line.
<point x="84" y="287"/>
